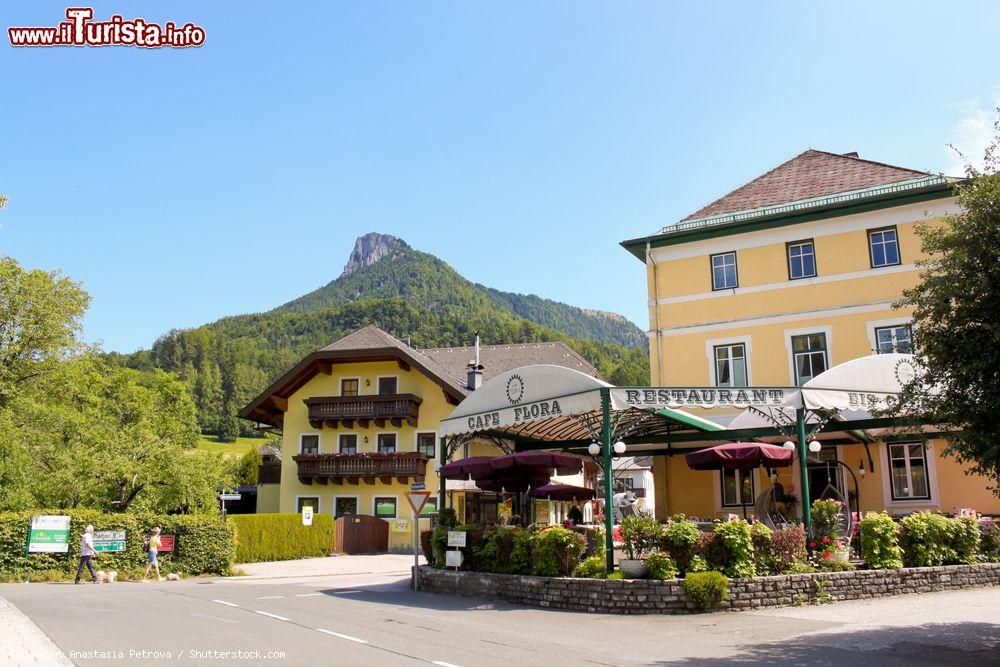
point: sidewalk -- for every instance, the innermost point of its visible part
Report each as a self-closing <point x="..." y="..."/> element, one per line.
<point x="22" y="643"/>
<point x="331" y="566"/>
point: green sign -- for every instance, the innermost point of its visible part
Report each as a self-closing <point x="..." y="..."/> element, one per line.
<point x="109" y="540"/>
<point x="49" y="534"/>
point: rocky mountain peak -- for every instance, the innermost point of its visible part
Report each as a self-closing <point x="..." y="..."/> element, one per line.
<point x="371" y="248"/>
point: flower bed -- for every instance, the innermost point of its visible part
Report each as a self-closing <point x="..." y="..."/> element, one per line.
<point x="644" y="596"/>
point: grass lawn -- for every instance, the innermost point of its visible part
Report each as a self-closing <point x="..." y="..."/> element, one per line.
<point x="230" y="449"/>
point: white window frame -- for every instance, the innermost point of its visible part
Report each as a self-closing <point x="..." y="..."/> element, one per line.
<point x="895" y="340"/>
<point x="385" y="495"/>
<point x="357" y="444"/>
<point x="732" y="362"/>
<point x="717" y="492"/>
<point x="319" y="441"/>
<point x="790" y="333"/>
<point x="713" y="343"/>
<point x="788" y="258"/>
<point x="319" y="502"/>
<point x="380" y="434"/>
<point x="930" y="456"/>
<point x="871" y="248"/>
<point x="378" y="380"/>
<point x="340" y="386"/>
<point x="357" y="502"/>
<point x="736" y="269"/>
<point x="872" y="325"/>
<point x="416" y="442"/>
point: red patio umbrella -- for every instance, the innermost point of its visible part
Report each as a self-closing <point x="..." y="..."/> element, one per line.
<point x="556" y="491"/>
<point x="743" y="456"/>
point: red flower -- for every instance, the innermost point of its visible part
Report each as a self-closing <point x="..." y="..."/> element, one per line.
<point x="826" y="540"/>
<point x="826" y="554"/>
<point x="812" y="544"/>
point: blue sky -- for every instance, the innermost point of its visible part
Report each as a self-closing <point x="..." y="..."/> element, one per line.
<point x="518" y="141"/>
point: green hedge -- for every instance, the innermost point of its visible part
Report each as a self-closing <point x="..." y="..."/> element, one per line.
<point x="204" y="545"/>
<point x="262" y="537"/>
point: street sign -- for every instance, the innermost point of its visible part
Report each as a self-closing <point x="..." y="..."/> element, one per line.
<point x="230" y="496"/>
<point x="49" y="534"/>
<point x="307" y="515"/>
<point x="417" y="500"/>
<point x="456" y="538"/>
<point x="418" y="486"/>
<point x="453" y="559"/>
<point x="109" y="540"/>
<point x="167" y="543"/>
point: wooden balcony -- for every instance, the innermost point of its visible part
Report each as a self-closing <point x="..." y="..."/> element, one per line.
<point x="355" y="468"/>
<point x="364" y="410"/>
<point x="269" y="471"/>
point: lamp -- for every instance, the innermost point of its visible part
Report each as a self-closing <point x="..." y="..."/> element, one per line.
<point x="594" y="449"/>
<point x="814" y="446"/>
<point x="437" y="466"/>
<point x="619" y="447"/>
<point x="861" y="468"/>
<point x="789" y="444"/>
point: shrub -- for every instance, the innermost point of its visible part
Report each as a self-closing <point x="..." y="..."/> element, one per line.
<point x="204" y="545"/>
<point x="473" y="545"/>
<point x="680" y="539"/>
<point x="263" y="537"/>
<point x="764" y="559"/>
<point x="594" y="538"/>
<point x="615" y="575"/>
<point x="788" y="548"/>
<point x="706" y="589"/>
<point x="989" y="540"/>
<point x="661" y="566"/>
<point x="521" y="553"/>
<point x="831" y="565"/>
<point x="556" y="552"/>
<point x="640" y="535"/>
<point x="827" y="519"/>
<point x="800" y="567"/>
<point x="697" y="564"/>
<point x="494" y="554"/>
<point x="591" y="568"/>
<point x="926" y="540"/>
<point x="880" y="541"/>
<point x="731" y="550"/>
<point x="964" y="539"/>
<point x="439" y="544"/>
<point x="447" y="517"/>
<point x="425" y="545"/>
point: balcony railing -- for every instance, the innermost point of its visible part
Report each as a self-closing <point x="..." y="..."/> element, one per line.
<point x="354" y="468"/>
<point x="392" y="408"/>
<point x="269" y="472"/>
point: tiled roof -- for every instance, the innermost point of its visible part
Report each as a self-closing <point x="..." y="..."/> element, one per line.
<point x="809" y="174"/>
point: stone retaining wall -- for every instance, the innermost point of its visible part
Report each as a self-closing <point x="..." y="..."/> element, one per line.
<point x="668" y="597"/>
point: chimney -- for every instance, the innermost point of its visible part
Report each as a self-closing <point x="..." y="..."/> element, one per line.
<point x="851" y="154"/>
<point x="474" y="371"/>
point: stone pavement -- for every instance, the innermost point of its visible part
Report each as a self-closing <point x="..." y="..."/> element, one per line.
<point x="378" y="564"/>
<point x="22" y="643"/>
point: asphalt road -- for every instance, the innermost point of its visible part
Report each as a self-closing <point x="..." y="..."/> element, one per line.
<point x="365" y="620"/>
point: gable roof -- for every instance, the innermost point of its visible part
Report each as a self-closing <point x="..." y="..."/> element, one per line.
<point x="809" y="174"/>
<point x="445" y="366"/>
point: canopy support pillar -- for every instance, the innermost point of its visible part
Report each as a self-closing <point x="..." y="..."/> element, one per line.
<point x="800" y="422"/>
<point x="442" y="459"/>
<point x="609" y="509"/>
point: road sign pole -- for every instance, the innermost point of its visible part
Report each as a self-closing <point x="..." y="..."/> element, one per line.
<point x="416" y="552"/>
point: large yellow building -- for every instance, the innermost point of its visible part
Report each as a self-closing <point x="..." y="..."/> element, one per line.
<point x="793" y="273"/>
<point x="359" y="425"/>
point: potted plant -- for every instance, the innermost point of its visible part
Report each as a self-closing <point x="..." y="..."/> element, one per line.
<point x="640" y="536"/>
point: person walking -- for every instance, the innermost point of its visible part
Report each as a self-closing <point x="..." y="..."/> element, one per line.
<point x="152" y="549"/>
<point x="87" y="554"/>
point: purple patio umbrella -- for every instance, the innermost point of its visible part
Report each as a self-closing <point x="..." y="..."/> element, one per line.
<point x="743" y="456"/>
<point x="554" y="491"/>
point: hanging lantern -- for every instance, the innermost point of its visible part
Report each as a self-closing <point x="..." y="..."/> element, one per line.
<point x="789" y="444"/>
<point x="814" y="446"/>
<point x="594" y="449"/>
<point x="620" y="447"/>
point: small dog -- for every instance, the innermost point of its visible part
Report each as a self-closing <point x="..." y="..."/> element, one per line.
<point x="107" y="577"/>
<point x="173" y="576"/>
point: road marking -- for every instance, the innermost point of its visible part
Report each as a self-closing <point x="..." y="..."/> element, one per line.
<point x="345" y="592"/>
<point x="337" y="634"/>
<point x="444" y="664"/>
<point x="269" y="615"/>
<point x="270" y="597"/>
<point x="215" y="618"/>
<point x="307" y="595"/>
<point x="228" y="604"/>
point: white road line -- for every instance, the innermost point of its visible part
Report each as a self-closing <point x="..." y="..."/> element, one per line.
<point x="270" y="597"/>
<point x="337" y="634"/>
<point x="345" y="592"/>
<point x="228" y="604"/>
<point x="444" y="664"/>
<point x="307" y="595"/>
<point x="269" y="615"/>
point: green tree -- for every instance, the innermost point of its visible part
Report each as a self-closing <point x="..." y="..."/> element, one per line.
<point x="956" y="309"/>
<point x="40" y="313"/>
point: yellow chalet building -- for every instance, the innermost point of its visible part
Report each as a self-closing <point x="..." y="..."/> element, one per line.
<point x="359" y="424"/>
<point x="779" y="280"/>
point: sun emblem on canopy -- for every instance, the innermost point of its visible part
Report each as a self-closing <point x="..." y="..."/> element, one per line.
<point x="515" y="389"/>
